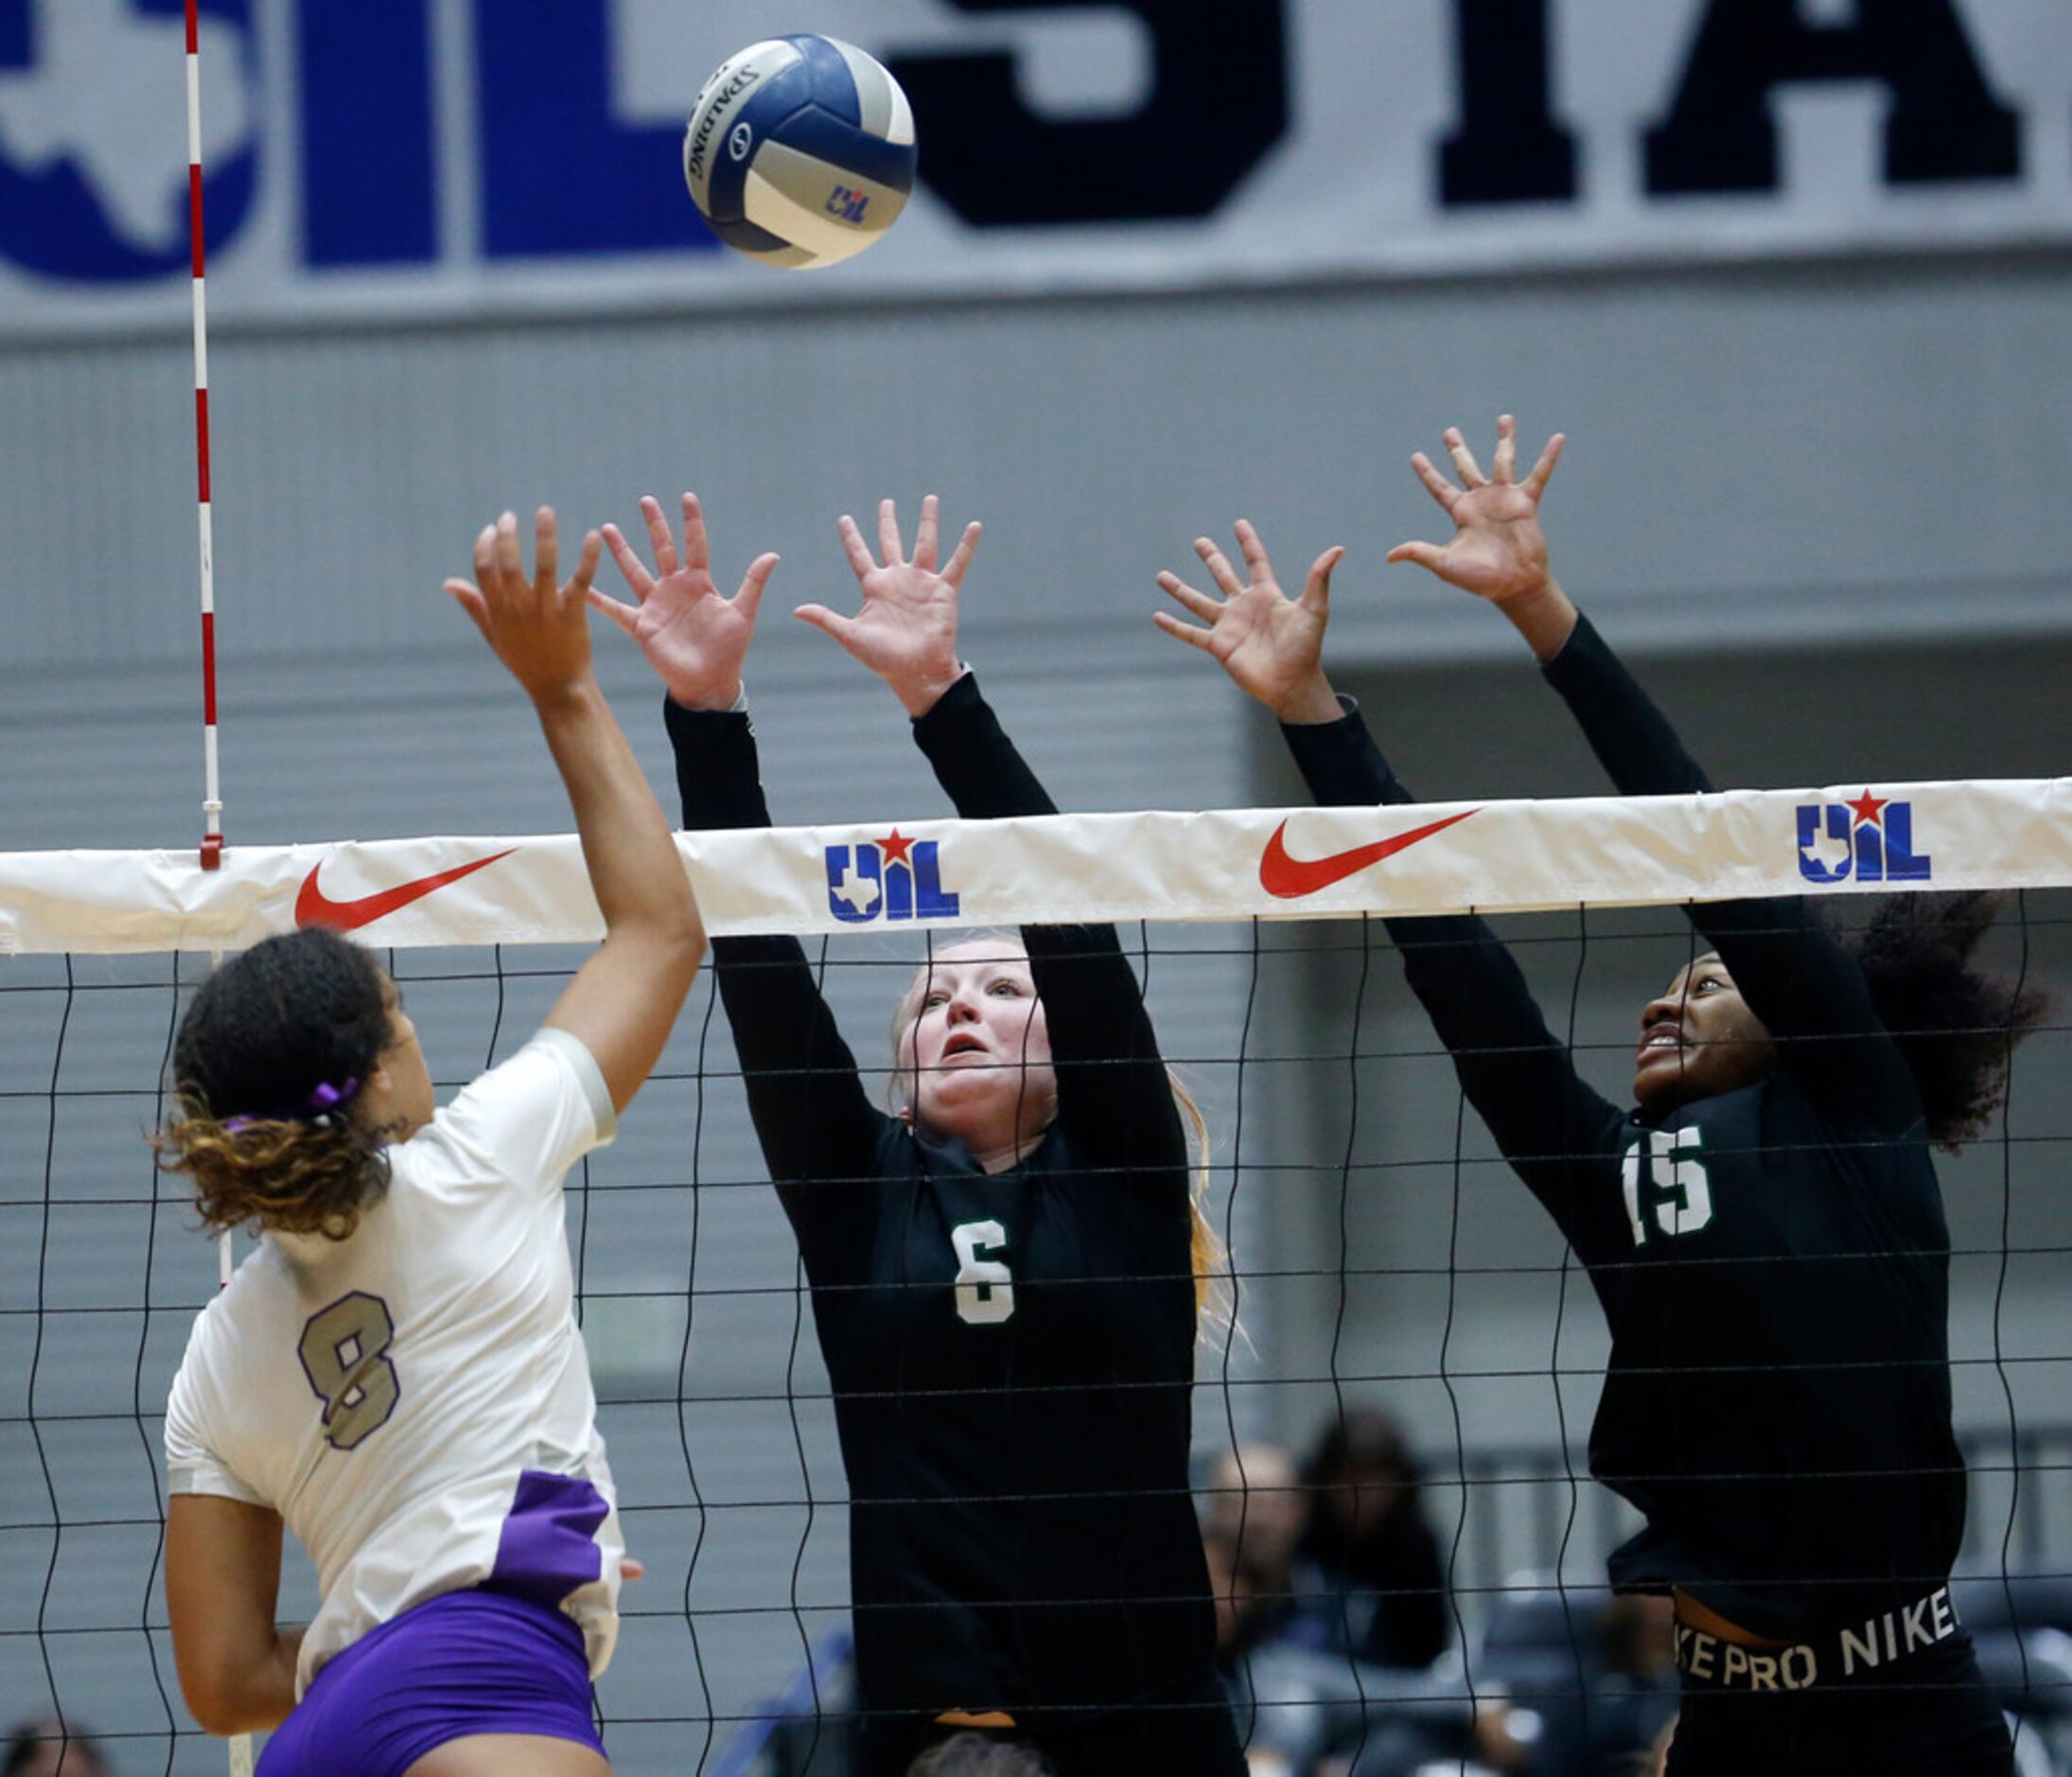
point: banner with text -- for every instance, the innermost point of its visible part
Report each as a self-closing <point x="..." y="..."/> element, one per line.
<point x="427" y="158"/>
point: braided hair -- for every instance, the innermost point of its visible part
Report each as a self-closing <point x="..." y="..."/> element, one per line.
<point x="267" y="1061"/>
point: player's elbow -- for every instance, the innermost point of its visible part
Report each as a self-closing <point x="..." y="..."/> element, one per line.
<point x="221" y="1696"/>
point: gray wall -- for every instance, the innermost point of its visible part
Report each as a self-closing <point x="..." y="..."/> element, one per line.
<point x="1824" y="503"/>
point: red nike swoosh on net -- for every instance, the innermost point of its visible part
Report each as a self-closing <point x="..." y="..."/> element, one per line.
<point x="314" y="908"/>
<point x="1288" y="878"/>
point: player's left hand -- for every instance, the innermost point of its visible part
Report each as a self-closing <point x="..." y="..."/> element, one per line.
<point x="1271" y="645"/>
<point x="907" y="630"/>
<point x="1499" y="552"/>
<point x="535" y="624"/>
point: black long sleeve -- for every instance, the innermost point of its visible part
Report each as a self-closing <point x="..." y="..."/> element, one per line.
<point x="1113" y="1092"/>
<point x="818" y="1127"/>
<point x="1521" y="1080"/>
<point x="1809" y="994"/>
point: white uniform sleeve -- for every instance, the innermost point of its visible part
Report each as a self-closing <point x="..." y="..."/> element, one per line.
<point x="532" y="1117"/>
<point x="192" y="1465"/>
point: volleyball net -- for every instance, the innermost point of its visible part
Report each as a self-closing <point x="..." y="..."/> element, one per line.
<point x="1383" y="1257"/>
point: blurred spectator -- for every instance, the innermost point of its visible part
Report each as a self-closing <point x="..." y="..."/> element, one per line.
<point x="46" y="1746"/>
<point x="1378" y="1589"/>
<point x="1256" y="1498"/>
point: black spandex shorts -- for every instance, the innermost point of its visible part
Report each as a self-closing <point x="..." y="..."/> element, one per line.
<point x="1928" y="1715"/>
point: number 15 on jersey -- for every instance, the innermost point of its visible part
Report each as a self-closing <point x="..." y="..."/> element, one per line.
<point x="1676" y="1173"/>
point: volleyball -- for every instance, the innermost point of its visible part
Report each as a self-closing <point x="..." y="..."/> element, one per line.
<point x="800" y="152"/>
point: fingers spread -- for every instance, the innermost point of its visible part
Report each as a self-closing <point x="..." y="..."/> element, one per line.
<point x="1536" y="482"/>
<point x="508" y="572"/>
<point x="546" y="554"/>
<point x="486" y="556"/>
<point x="586" y="564"/>
<point x="1197" y="602"/>
<point x="1193" y="637"/>
<point x="1424" y="555"/>
<point x="749" y="598"/>
<point x="832" y="623"/>
<point x="1219" y="566"/>
<point x="1254" y="552"/>
<point x="925" y="537"/>
<point x="1436" y="484"/>
<point x="626" y="616"/>
<point x="696" y="550"/>
<point x="1465" y="464"/>
<point x="658" y="540"/>
<point x="1503" y="468"/>
<point x="961" y="558"/>
<point x="638" y="580"/>
<point x="468" y="597"/>
<point x="1316" y="590"/>
<point x="854" y="546"/>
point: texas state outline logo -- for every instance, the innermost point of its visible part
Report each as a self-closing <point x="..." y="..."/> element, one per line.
<point x="93" y="134"/>
<point x="892" y="878"/>
<point x="1871" y="838"/>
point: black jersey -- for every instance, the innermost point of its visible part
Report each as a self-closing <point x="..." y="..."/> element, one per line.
<point x="1772" y="1262"/>
<point x="1021" y="1531"/>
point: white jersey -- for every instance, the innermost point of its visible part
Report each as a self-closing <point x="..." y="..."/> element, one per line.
<point x="416" y="1401"/>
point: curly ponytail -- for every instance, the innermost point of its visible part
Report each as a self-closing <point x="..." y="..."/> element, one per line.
<point x="266" y="1060"/>
<point x="1956" y="1026"/>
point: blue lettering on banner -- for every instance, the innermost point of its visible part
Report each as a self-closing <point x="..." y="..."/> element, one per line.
<point x="1871" y="838"/>
<point x="565" y="167"/>
<point x="891" y="879"/>
<point x="78" y="201"/>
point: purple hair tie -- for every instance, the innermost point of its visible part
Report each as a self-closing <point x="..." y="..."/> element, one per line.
<point x="324" y="1098"/>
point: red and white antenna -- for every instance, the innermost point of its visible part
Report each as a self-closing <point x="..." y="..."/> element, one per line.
<point x="212" y="803"/>
<point x="212" y="800"/>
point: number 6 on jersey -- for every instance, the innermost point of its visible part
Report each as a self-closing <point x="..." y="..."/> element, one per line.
<point x="985" y="1287"/>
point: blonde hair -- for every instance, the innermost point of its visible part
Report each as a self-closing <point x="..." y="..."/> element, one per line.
<point x="1208" y="1257"/>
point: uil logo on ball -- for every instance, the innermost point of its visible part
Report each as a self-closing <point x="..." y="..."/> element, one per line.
<point x="892" y="878"/>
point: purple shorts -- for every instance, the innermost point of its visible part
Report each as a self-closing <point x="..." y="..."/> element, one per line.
<point x="463" y="1663"/>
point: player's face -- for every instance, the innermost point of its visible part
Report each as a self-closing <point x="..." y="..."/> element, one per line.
<point x="979" y="1047"/>
<point x="398" y="1096"/>
<point x="1699" y="1040"/>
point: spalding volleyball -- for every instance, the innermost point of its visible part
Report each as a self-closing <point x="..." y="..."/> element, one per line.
<point x="800" y="152"/>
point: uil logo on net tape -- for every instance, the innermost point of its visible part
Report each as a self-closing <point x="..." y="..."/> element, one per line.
<point x="1872" y="838"/>
<point x="892" y="878"/>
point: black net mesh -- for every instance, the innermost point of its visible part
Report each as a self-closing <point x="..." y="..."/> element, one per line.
<point x="1389" y="1444"/>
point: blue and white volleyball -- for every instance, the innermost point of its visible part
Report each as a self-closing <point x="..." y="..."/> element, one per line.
<point x="800" y="152"/>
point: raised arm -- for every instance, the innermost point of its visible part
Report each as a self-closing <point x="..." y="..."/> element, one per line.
<point x="1114" y="1093"/>
<point x="1794" y="976"/>
<point x="624" y="1001"/>
<point x="811" y="1112"/>
<point x="1520" y="1078"/>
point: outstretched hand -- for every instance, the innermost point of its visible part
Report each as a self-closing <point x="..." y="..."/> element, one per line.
<point x="536" y="627"/>
<point x="1272" y="645"/>
<point x="907" y="630"/>
<point x="1499" y="552"/>
<point x="693" y="638"/>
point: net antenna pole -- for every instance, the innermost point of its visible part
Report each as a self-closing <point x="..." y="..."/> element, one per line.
<point x="212" y="799"/>
<point x="212" y="804"/>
